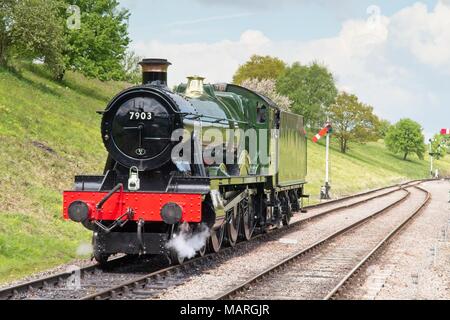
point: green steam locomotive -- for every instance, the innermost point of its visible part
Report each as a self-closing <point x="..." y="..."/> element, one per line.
<point x="219" y="158"/>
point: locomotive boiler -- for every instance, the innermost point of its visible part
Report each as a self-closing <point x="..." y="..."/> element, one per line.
<point x="167" y="169"/>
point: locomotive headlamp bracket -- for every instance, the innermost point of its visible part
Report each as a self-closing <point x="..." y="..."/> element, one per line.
<point x="133" y="180"/>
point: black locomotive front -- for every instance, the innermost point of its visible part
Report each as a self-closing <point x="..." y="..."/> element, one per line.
<point x="138" y="123"/>
<point x="137" y="128"/>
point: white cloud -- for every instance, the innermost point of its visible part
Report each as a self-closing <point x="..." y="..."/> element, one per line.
<point x="216" y="61"/>
<point x="425" y="34"/>
<point x="369" y="58"/>
<point x="357" y="40"/>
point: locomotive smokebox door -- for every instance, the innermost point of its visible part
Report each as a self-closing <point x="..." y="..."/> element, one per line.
<point x="137" y="128"/>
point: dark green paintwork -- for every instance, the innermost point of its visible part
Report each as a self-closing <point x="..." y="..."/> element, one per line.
<point x="292" y="150"/>
<point x="237" y="108"/>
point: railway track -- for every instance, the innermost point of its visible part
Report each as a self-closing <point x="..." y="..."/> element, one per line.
<point x="76" y="283"/>
<point x="131" y="278"/>
<point x="324" y="269"/>
<point x="365" y="193"/>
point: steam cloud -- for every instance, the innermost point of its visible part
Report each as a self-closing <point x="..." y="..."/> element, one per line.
<point x="187" y="243"/>
<point x="84" y="249"/>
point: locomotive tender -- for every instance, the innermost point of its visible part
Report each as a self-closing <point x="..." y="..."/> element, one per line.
<point x="155" y="182"/>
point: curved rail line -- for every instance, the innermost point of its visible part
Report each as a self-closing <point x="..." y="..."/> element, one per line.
<point x="238" y="289"/>
<point x="346" y="280"/>
<point x="57" y="280"/>
<point x="365" y="193"/>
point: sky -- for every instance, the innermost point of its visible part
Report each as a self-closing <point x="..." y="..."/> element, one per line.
<point x="394" y="55"/>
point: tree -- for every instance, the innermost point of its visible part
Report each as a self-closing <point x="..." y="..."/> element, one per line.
<point x="6" y="21"/>
<point x="312" y="90"/>
<point x="130" y="65"/>
<point x="97" y="49"/>
<point x="267" y="87"/>
<point x="31" y="29"/>
<point x="352" y="120"/>
<point x="406" y="137"/>
<point x="383" y="128"/>
<point x="260" y="68"/>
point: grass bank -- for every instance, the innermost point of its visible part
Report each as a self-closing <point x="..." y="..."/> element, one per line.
<point x="363" y="167"/>
<point x="48" y="133"/>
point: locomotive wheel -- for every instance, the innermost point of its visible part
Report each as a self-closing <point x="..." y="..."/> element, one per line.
<point x="293" y="200"/>
<point x="175" y="257"/>
<point x="232" y="227"/>
<point x="173" y="254"/>
<point x="278" y="215"/>
<point x="99" y="256"/>
<point x="247" y="221"/>
<point x="286" y="219"/>
<point x="216" y="239"/>
<point x="287" y="210"/>
<point x="202" y="251"/>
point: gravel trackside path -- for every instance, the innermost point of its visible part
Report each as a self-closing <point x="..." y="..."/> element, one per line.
<point x="416" y="263"/>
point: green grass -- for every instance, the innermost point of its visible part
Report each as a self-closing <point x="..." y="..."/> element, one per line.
<point x="49" y="132"/>
<point x="363" y="167"/>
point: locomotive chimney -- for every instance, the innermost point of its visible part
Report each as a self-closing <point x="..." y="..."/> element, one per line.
<point x="154" y="71"/>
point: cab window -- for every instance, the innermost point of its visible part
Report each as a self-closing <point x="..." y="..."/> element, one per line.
<point x="261" y="114"/>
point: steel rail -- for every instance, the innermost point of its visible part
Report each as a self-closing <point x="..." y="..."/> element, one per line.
<point x="342" y="284"/>
<point x="365" y="193"/>
<point x="300" y="254"/>
<point x="350" y="205"/>
<point x="141" y="282"/>
<point x="55" y="279"/>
